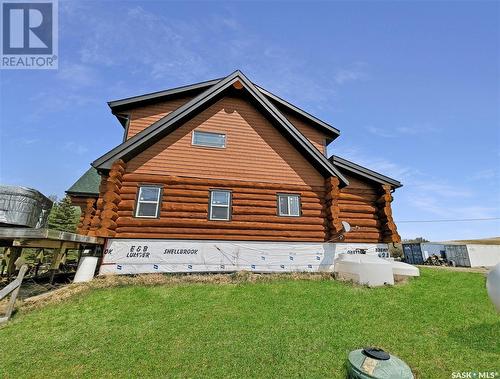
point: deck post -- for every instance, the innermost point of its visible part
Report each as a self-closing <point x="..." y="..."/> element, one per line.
<point x="14" y="253"/>
<point x="3" y="262"/>
<point x="56" y="261"/>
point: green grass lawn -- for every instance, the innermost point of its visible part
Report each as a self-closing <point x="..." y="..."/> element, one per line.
<point x="439" y="323"/>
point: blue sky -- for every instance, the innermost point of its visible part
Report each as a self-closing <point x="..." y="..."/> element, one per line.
<point x="413" y="87"/>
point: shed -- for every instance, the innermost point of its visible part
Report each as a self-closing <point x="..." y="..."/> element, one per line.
<point x="475" y="253"/>
<point x="463" y="253"/>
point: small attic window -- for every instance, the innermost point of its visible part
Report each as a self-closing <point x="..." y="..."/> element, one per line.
<point x="209" y="139"/>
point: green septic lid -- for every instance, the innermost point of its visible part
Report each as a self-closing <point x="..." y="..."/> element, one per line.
<point x="364" y="365"/>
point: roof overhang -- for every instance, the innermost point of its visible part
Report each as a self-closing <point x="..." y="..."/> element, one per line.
<point x="82" y="194"/>
<point x="356" y="169"/>
<point x="121" y="106"/>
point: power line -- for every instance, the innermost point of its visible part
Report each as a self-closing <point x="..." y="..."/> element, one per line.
<point x="451" y="220"/>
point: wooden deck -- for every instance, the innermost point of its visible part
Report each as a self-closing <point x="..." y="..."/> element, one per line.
<point x="17" y="239"/>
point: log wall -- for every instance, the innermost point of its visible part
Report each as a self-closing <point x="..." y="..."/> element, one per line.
<point x="357" y="203"/>
<point x="366" y="206"/>
<point x="184" y="211"/>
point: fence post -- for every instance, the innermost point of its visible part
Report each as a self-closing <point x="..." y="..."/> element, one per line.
<point x="13" y="288"/>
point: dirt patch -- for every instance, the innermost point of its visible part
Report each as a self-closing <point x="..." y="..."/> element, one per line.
<point x="29" y="289"/>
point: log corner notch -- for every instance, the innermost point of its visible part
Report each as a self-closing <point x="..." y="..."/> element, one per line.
<point x="104" y="222"/>
<point x="88" y="212"/>
<point x="332" y="208"/>
<point x="388" y="227"/>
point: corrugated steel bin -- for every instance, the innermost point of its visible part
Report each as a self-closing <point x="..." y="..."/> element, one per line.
<point x="23" y="207"/>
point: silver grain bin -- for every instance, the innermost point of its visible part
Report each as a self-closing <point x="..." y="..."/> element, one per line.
<point x="23" y="207"/>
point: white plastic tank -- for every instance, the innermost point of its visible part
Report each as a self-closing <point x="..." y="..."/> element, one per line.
<point x="364" y="269"/>
<point x="86" y="269"/>
<point x="402" y="271"/>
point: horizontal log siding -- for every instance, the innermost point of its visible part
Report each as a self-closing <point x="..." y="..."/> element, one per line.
<point x="142" y="117"/>
<point x="313" y="134"/>
<point x="358" y="206"/>
<point x="256" y="151"/>
<point x="184" y="211"/>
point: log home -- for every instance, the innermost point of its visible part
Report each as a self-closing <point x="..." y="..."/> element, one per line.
<point x="227" y="160"/>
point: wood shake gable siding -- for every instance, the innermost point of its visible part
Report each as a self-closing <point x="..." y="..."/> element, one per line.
<point x="313" y="134"/>
<point x="256" y="151"/>
<point x="144" y="116"/>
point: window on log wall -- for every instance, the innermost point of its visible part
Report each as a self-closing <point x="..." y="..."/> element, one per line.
<point x="148" y="202"/>
<point x="220" y="205"/>
<point x="288" y="205"/>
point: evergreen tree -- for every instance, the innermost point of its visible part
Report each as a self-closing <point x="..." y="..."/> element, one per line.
<point x="63" y="216"/>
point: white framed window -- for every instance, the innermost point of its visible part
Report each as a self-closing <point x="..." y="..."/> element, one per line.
<point x="148" y="202"/>
<point x="288" y="205"/>
<point x="209" y="139"/>
<point x="219" y="205"/>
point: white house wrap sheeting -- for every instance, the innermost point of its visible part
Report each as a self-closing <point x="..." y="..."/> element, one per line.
<point x="134" y="256"/>
<point x="147" y="256"/>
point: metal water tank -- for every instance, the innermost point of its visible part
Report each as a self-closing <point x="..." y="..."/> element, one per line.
<point x="373" y="363"/>
<point x="23" y="207"/>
